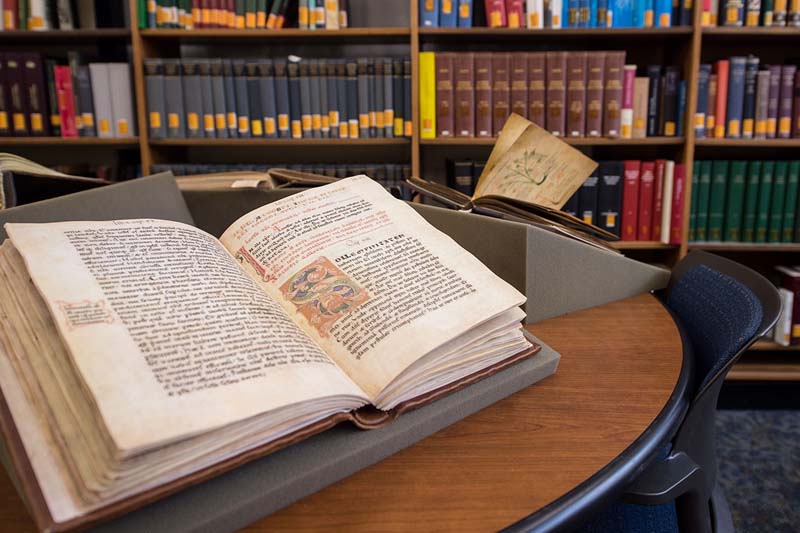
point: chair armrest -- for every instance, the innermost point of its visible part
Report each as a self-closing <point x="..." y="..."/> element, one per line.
<point x="665" y="480"/>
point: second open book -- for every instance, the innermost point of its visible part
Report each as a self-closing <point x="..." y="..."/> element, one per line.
<point x="139" y="353"/>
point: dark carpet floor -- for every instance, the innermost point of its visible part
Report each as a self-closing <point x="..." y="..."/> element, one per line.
<point x="759" y="468"/>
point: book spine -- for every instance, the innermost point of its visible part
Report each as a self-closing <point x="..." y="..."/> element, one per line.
<point x="702" y="101"/>
<point x="762" y="104"/>
<point x="716" y="205"/>
<point x="429" y="13"/>
<point x="678" y="199"/>
<point x="783" y="329"/>
<point x="790" y="205"/>
<point x="595" y="70"/>
<point x="501" y="90"/>
<point x="445" y="119"/>
<point x="735" y="106"/>
<point x="653" y="99"/>
<point x="242" y="99"/>
<point x="119" y="75"/>
<point x="667" y="202"/>
<point x="192" y="97"/>
<point x="18" y="105"/>
<point x="269" y="112"/>
<point x="464" y="13"/>
<point x="353" y="121"/>
<point x="609" y="196"/>
<point x="315" y="99"/>
<point x="785" y="101"/>
<point x="447" y="14"/>
<point x="626" y="113"/>
<point x="749" y="105"/>
<point x="612" y="95"/>
<point x="207" y="99"/>
<point x="35" y="94"/>
<point x="535" y="14"/>
<point x="256" y="116"/>
<point x="793" y="16"/>
<point x="10" y="14"/>
<point x="734" y="13"/>
<point x="692" y="237"/>
<point x="753" y="13"/>
<point x="408" y="123"/>
<point x="459" y="176"/>
<point x="767" y="12"/>
<point x="556" y="92"/>
<point x="463" y="64"/>
<point x="427" y="95"/>
<point x="372" y="98"/>
<point x="646" y="198"/>
<point x="711" y="107"/>
<point x="722" y="68"/>
<point x="5" y="125"/>
<point x="669" y="108"/>
<point x="587" y="200"/>
<point x="229" y="90"/>
<point x="495" y="13"/>
<point x="218" y="99"/>
<point x="703" y="197"/>
<point x="483" y="94"/>
<point x="66" y="101"/>
<point x="777" y="202"/>
<point x="515" y="16"/>
<point x="156" y="104"/>
<point x="576" y="94"/>
<point x="556" y="14"/>
<point x="640" y="96"/>
<point x="796" y="107"/>
<point x="764" y="196"/>
<point x="687" y="12"/>
<point x="388" y="98"/>
<point x="344" y="14"/>
<point x="630" y="200"/>
<point x="85" y="100"/>
<point x="663" y="10"/>
<point x="331" y="112"/>
<point x="658" y="198"/>
<point x="397" y="89"/>
<point x="779" y="13"/>
<point x="734" y="204"/>
<point x="773" y="100"/>
<point x="750" y="209"/>
<point x="306" y="120"/>
<point x="519" y="84"/>
<point x="536" y="88"/>
<point x="173" y="101"/>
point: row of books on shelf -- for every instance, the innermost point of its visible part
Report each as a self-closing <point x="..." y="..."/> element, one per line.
<point x="770" y="13"/>
<point x="61" y="14"/>
<point x="49" y="97"/>
<point x="536" y="14"/>
<point x="786" y="331"/>
<point x="739" y="98"/>
<point x="243" y="14"/>
<point x="745" y="201"/>
<point x="571" y="94"/>
<point x="298" y="98"/>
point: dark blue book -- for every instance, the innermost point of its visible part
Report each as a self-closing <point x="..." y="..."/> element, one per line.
<point x="686" y="11"/>
<point x="681" y="107"/>
<point x="267" y="96"/>
<point x="571" y="207"/>
<point x="282" y="100"/>
<point x="653" y="100"/>
<point x="733" y="113"/>
<point x="602" y="13"/>
<point x="242" y="100"/>
<point x="573" y="13"/>
<point x="408" y="125"/>
<point x="429" y="13"/>
<point x="352" y="99"/>
<point x="397" y="91"/>
<point x="295" y="117"/>
<point x="609" y="196"/>
<point x="733" y="12"/>
<point x="703" y="76"/>
<point x="333" y="98"/>
<point x="341" y="98"/>
<point x="749" y="105"/>
<point x="254" y="95"/>
<point x="669" y="107"/>
<point x="448" y="17"/>
<point x="464" y="13"/>
<point x="587" y="199"/>
<point x="230" y="98"/>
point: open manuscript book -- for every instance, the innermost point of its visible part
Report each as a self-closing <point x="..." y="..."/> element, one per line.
<point x="140" y="356"/>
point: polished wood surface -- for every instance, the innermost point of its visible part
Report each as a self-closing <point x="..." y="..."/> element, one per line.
<point x="620" y="363"/>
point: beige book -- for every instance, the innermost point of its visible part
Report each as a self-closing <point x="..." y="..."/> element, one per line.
<point x="641" y="86"/>
<point x="140" y="356"/>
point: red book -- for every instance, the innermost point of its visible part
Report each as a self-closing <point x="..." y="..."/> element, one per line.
<point x="10" y="14"/>
<point x="647" y="178"/>
<point x="515" y="13"/>
<point x="658" y="199"/>
<point x="678" y="197"/>
<point x="66" y="100"/>
<point x="445" y="114"/>
<point x="630" y="200"/>
<point x="721" y="70"/>
<point x="495" y="13"/>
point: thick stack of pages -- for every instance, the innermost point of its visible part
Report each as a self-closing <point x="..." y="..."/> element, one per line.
<point x="141" y="356"/>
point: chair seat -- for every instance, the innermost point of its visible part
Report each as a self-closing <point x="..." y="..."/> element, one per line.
<point x="632" y="518"/>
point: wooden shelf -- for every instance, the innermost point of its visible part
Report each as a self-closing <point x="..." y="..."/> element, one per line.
<point x="744" y="247"/>
<point x="128" y="142"/>
<point x="725" y="32"/>
<point x="749" y="143"/>
<point x="49" y="36"/>
<point x="765" y="345"/>
<point x="290" y="34"/>
<point x="643" y="245"/>
<point x="340" y="143"/>
<point x="575" y="141"/>
<point x="578" y="33"/>
<point x="765" y="372"/>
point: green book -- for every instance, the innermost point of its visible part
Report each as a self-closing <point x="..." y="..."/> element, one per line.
<point x="141" y="14"/>
<point x="703" y="193"/>
<point x="764" y="195"/>
<point x="778" y="201"/>
<point x="693" y="204"/>
<point x="790" y="204"/>
<point x="716" y="202"/>
<point x="751" y="202"/>
<point x="24" y="11"/>
<point x="735" y="202"/>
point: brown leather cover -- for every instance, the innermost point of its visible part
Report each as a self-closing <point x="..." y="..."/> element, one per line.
<point x="444" y="95"/>
<point x="483" y="94"/>
<point x="364" y="418"/>
<point x="576" y="94"/>
<point x="519" y="84"/>
<point x="536" y="88"/>
<point x="501" y="90"/>
<point x="595" y="74"/>
<point x="641" y="86"/>
<point x="612" y="98"/>
<point x="556" y="92"/>
<point x="464" y="74"/>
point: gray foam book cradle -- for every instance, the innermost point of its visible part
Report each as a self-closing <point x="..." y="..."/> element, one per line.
<point x="558" y="276"/>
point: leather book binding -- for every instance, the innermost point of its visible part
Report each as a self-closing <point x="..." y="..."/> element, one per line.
<point x="464" y="73"/>
<point x="444" y="95"/>
<point x="556" y="92"/>
<point x="519" y="84"/>
<point x="612" y="96"/>
<point x="483" y="94"/>
<point x="536" y="88"/>
<point x="576" y="94"/>
<point x="501" y="90"/>
<point x="595" y="71"/>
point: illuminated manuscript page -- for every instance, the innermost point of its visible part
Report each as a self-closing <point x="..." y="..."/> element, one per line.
<point x="366" y="276"/>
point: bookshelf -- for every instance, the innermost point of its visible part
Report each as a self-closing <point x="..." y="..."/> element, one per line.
<point x="684" y="46"/>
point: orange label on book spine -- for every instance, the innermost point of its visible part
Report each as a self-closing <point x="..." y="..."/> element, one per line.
<point x="353" y="130"/>
<point x="122" y="127"/>
<point x="256" y="128"/>
<point x="283" y="122"/>
<point x="231" y="120"/>
<point x="173" y="121"/>
<point x="785" y="126"/>
<point x="37" y="124"/>
<point x="19" y="121"/>
<point x="297" y="132"/>
<point x="219" y="119"/>
<point x="244" y="124"/>
<point x="305" y="120"/>
<point x="447" y="6"/>
<point x="269" y="126"/>
<point x="193" y="121"/>
<point x="3" y="120"/>
<point x="208" y="122"/>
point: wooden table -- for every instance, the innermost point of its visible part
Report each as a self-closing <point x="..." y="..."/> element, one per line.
<point x="542" y="450"/>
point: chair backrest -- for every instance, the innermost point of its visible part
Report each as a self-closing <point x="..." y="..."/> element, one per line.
<point x="722" y="307"/>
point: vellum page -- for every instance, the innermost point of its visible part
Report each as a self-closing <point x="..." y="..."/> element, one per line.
<point x="366" y="276"/>
<point x="171" y="337"/>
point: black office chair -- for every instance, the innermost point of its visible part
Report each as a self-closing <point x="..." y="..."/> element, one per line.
<point x="722" y="307"/>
